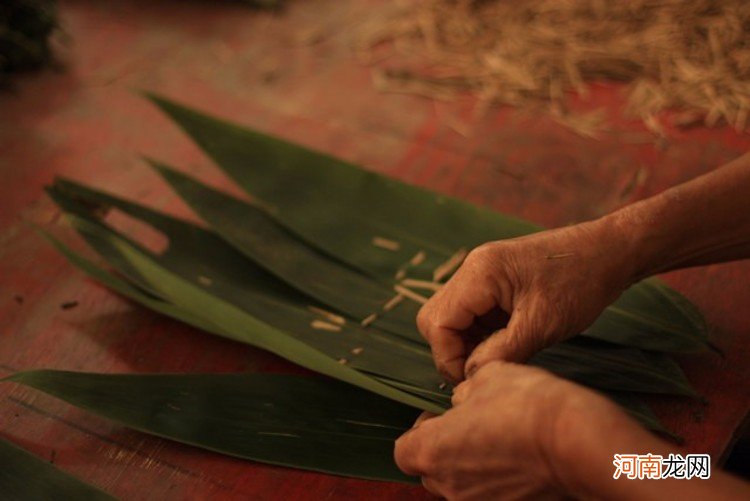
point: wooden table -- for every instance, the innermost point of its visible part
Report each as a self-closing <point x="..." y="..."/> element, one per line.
<point x="295" y="75"/>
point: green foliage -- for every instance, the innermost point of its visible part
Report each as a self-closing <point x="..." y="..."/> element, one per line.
<point x="24" y="476"/>
<point x="268" y="272"/>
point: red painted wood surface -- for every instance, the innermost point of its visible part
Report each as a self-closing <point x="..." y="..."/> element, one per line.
<point x="293" y="74"/>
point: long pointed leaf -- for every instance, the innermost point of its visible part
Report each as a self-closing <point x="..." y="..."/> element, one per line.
<point x="351" y="206"/>
<point x="194" y="253"/>
<point x="301" y="422"/>
<point x="24" y="476"/>
<point x="595" y="364"/>
<point x="237" y="323"/>
<point x="267" y="243"/>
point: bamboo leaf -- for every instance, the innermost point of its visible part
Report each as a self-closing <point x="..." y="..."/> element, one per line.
<point x="235" y="322"/>
<point x="194" y="253"/>
<point x="24" y="476"/>
<point x="602" y="365"/>
<point x="259" y="163"/>
<point x="438" y="396"/>
<point x="351" y="206"/>
<point x="599" y="365"/>
<point x="129" y="290"/>
<point x="268" y="244"/>
<point x="308" y="423"/>
<point x="294" y="421"/>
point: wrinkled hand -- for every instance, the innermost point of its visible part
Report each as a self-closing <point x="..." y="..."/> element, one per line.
<point x="512" y="433"/>
<point x="546" y="287"/>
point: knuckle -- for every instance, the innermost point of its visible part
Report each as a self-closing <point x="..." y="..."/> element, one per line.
<point x="428" y="458"/>
<point x="488" y="370"/>
<point x="484" y="372"/>
<point x="480" y="254"/>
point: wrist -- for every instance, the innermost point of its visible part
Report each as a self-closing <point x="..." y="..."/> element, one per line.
<point x="589" y="431"/>
<point x="620" y="237"/>
<point x="641" y="246"/>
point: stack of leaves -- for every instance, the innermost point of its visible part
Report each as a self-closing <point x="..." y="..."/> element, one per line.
<point x="325" y="265"/>
<point x="25" y="28"/>
<point x="690" y="56"/>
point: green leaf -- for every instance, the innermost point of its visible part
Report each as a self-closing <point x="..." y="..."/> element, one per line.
<point x="596" y="364"/>
<point x="24" y="476"/>
<point x="602" y="365"/>
<point x="339" y="208"/>
<point x="260" y="163"/>
<point x="268" y="244"/>
<point x="236" y="323"/>
<point x="308" y="423"/>
<point x="194" y="253"/>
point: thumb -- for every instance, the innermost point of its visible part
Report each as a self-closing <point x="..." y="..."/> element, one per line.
<point x="516" y="343"/>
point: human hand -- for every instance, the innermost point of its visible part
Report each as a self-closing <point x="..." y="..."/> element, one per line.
<point x="528" y="293"/>
<point x="514" y="432"/>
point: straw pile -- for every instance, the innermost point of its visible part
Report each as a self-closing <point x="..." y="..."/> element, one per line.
<point x="689" y="57"/>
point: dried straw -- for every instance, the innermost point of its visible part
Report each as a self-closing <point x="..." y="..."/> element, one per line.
<point x="421" y="284"/>
<point x="418" y="258"/>
<point x="331" y="317"/>
<point x="410" y="294"/>
<point x="369" y="319"/>
<point x="385" y="243"/>
<point x="448" y="267"/>
<point x="325" y="326"/>
<point x="692" y="57"/>
<point x="393" y="302"/>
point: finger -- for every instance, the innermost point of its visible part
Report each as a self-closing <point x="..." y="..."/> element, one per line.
<point x="516" y="343"/>
<point x="445" y="318"/>
<point x="460" y="393"/>
<point x="423" y="417"/>
<point x="410" y="451"/>
<point x="449" y="352"/>
<point x="431" y="486"/>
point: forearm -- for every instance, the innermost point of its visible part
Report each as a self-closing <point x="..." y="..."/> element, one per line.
<point x="588" y="467"/>
<point x="706" y="220"/>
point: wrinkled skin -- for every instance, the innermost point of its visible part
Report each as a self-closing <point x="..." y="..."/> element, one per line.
<point x="505" y="437"/>
<point x="519" y="432"/>
<point x="549" y="285"/>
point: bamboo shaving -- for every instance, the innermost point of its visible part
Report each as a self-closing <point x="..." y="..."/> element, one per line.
<point x="205" y="281"/>
<point x="357" y="351"/>
<point x="385" y="243"/>
<point x="421" y="284"/>
<point x="368" y="320"/>
<point x="418" y="258"/>
<point x="691" y="58"/>
<point x="331" y="317"/>
<point x="325" y="326"/>
<point x="408" y="293"/>
<point x="393" y="302"/>
<point x="400" y="274"/>
<point x="448" y="267"/>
